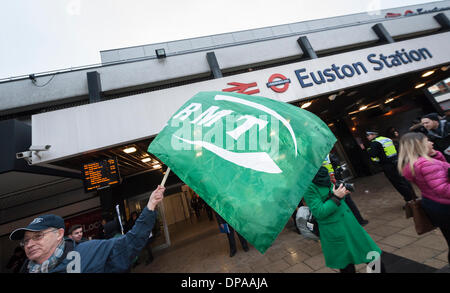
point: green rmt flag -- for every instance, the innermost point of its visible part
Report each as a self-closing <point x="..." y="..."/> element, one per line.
<point x="250" y="158"/>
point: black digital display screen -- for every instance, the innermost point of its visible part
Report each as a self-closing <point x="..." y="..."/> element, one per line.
<point x="101" y="174"/>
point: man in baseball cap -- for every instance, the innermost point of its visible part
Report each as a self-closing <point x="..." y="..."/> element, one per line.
<point x="48" y="252"/>
<point x="42" y="241"/>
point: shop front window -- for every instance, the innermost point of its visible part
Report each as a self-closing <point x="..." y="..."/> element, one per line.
<point x="441" y="93"/>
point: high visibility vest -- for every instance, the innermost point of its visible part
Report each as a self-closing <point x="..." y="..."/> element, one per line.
<point x="327" y="164"/>
<point x="388" y="147"/>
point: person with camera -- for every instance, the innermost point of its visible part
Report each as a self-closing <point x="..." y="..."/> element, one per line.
<point x="383" y="152"/>
<point x="429" y="170"/>
<point x="344" y="242"/>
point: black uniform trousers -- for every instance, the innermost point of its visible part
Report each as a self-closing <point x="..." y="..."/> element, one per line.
<point x="232" y="240"/>
<point x="399" y="182"/>
<point x="351" y="204"/>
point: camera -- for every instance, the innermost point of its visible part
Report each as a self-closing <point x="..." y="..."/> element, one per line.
<point x="349" y="186"/>
<point x="34" y="149"/>
<point x="23" y="155"/>
<point x="38" y="148"/>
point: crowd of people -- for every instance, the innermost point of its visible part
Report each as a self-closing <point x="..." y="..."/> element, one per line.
<point x="419" y="157"/>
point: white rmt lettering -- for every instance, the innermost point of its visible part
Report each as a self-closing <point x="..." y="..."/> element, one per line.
<point x="186" y="112"/>
<point x="250" y="121"/>
<point x="209" y="116"/>
<point x="74" y="266"/>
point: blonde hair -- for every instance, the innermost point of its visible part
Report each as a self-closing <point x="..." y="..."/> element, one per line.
<point x="412" y="146"/>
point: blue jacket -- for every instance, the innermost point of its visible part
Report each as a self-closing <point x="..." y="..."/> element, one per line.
<point x="113" y="255"/>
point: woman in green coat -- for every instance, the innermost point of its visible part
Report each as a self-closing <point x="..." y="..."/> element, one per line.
<point x="344" y="242"/>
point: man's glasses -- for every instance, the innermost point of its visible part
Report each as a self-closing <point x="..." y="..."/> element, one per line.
<point x="35" y="237"/>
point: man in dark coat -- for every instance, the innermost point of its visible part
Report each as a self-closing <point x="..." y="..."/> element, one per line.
<point x="76" y="233"/>
<point x="438" y="131"/>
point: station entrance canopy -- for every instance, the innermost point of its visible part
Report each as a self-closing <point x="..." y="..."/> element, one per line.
<point x="75" y="131"/>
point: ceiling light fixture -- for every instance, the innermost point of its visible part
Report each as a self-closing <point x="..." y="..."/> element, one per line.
<point x="362" y="108"/>
<point x="419" y="85"/>
<point x="146" y="160"/>
<point x="389" y="100"/>
<point x="129" y="150"/>
<point x="428" y="73"/>
<point x="157" y="166"/>
<point x="160" y="53"/>
<point x="306" y="105"/>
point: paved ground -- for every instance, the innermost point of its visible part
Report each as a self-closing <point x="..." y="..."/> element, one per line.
<point x="291" y="253"/>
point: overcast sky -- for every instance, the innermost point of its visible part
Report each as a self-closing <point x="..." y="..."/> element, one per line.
<point x="43" y="35"/>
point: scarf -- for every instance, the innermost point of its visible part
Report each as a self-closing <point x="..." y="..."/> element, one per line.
<point x="50" y="263"/>
<point x="322" y="177"/>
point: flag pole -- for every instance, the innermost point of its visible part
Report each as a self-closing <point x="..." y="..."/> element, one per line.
<point x="165" y="177"/>
<point x="120" y="220"/>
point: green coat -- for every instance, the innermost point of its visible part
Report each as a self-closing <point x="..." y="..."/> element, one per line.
<point x="343" y="239"/>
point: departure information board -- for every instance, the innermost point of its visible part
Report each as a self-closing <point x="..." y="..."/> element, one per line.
<point x="100" y="174"/>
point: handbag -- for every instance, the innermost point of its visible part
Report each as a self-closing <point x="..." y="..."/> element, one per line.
<point x="422" y="223"/>
<point x="311" y="222"/>
<point x="305" y="223"/>
<point x="312" y="225"/>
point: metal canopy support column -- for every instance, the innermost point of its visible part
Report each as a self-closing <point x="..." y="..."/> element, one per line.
<point x="382" y="33"/>
<point x="443" y="21"/>
<point x="214" y="65"/>
<point x="305" y="45"/>
<point x="433" y="102"/>
<point x="94" y="86"/>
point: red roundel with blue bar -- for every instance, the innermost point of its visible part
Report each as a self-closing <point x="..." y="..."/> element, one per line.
<point x="278" y="83"/>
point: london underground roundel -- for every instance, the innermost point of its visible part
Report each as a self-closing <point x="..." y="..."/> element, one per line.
<point x="278" y="83"/>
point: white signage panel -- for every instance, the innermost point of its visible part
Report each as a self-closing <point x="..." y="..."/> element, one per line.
<point x="74" y="131"/>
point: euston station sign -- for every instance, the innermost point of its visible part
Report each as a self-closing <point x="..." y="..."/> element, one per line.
<point x="377" y="62"/>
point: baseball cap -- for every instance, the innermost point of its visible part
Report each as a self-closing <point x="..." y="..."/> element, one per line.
<point x="40" y="223"/>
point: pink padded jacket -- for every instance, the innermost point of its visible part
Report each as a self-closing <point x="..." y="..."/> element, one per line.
<point x="431" y="177"/>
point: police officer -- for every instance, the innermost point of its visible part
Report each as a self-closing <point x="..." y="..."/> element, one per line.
<point x="383" y="152"/>
<point x="327" y="163"/>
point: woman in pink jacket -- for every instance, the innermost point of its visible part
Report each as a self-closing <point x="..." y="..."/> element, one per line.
<point x="429" y="170"/>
